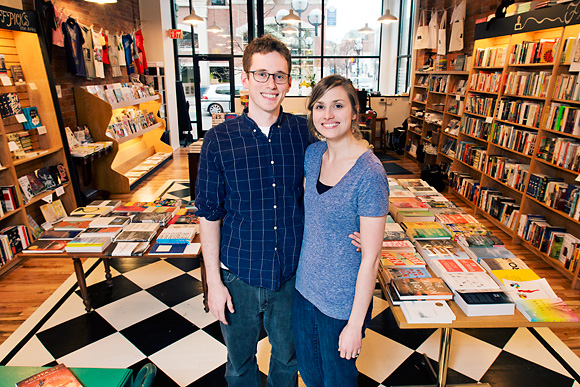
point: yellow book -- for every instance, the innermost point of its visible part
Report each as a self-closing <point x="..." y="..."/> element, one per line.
<point x="514" y="275"/>
<point x="411" y="225"/>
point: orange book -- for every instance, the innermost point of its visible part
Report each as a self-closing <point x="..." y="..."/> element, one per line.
<point x="57" y="376"/>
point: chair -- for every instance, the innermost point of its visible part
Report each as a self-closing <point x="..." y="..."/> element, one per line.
<point x="367" y="124"/>
<point x="145" y="376"/>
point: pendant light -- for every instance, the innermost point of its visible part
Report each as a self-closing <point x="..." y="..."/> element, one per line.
<point x="193" y="18"/>
<point x="387" y="18"/>
<point x="291" y="18"/>
<point x="366" y="30"/>
<point x="290" y="30"/>
<point x="214" y="28"/>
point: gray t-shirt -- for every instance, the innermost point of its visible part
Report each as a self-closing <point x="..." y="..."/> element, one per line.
<point x="329" y="263"/>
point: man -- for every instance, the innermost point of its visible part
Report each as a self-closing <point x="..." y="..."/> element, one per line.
<point x="248" y="194"/>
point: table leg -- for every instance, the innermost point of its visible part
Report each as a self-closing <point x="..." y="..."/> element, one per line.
<point x="108" y="275"/>
<point x="82" y="283"/>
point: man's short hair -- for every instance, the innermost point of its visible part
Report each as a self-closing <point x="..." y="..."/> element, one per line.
<point x="265" y="45"/>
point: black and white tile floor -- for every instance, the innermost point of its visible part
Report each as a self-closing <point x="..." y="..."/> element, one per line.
<point x="154" y="312"/>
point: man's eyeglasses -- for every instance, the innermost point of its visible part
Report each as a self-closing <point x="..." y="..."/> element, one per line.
<point x="263" y="76"/>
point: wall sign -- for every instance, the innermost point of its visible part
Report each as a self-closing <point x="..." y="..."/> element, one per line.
<point x="17" y="19"/>
<point x="559" y="15"/>
<point x="175" y="34"/>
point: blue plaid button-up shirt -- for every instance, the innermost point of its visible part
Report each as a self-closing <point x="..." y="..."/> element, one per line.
<point x="255" y="184"/>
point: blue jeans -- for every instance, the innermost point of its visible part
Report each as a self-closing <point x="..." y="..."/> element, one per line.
<point x="253" y="307"/>
<point x="316" y="338"/>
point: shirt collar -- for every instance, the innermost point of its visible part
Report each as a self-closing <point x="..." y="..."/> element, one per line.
<point x="253" y="123"/>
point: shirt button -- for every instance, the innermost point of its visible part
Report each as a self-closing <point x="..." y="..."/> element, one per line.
<point x="275" y="249"/>
<point x="254" y="130"/>
<point x="275" y="206"/>
<point x="275" y="228"/>
<point x="273" y="184"/>
<point x="269" y="140"/>
<point x="272" y="162"/>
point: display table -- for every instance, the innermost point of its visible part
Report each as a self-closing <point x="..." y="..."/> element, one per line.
<point x="462" y="321"/>
<point x="89" y="377"/>
<point x="80" y="274"/>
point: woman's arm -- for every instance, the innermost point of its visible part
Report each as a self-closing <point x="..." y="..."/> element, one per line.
<point x="371" y="237"/>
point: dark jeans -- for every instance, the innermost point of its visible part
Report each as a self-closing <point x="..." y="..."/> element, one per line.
<point x="254" y="306"/>
<point x="316" y="338"/>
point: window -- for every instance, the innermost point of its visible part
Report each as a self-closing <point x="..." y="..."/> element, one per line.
<point x="406" y="18"/>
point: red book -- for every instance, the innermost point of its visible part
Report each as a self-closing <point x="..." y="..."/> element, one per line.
<point x="57" y="376"/>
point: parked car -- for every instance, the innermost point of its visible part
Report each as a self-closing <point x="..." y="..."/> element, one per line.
<point x="216" y="99"/>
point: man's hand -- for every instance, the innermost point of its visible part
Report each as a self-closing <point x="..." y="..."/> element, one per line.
<point x="349" y="342"/>
<point x="355" y="236"/>
<point x="218" y="297"/>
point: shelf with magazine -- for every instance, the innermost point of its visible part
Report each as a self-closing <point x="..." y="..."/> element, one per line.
<point x="134" y="128"/>
<point x="30" y="140"/>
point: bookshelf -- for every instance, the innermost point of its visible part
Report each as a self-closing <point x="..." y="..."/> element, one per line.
<point x="117" y="170"/>
<point x="437" y="98"/>
<point x="24" y="49"/>
<point x="507" y="134"/>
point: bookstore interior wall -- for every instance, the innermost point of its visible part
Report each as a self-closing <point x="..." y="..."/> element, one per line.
<point x="507" y="131"/>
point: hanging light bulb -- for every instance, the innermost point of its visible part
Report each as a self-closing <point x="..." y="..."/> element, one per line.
<point x="193" y="18"/>
<point x="387" y="18"/>
<point x="291" y="18"/>
<point x="214" y="28"/>
<point x="290" y="30"/>
<point x="366" y="30"/>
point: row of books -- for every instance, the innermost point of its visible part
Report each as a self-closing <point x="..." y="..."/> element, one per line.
<point x="459" y="87"/>
<point x="510" y="172"/>
<point x="13" y="240"/>
<point x="503" y="208"/>
<point x="570" y="47"/>
<point x="563" y="118"/>
<point x="471" y="154"/>
<point x="528" y="52"/>
<point x="519" y="140"/>
<point x="42" y="180"/>
<point x="146" y="165"/>
<point x="465" y="185"/>
<point x="563" y="152"/>
<point x="471" y="266"/>
<point x="121" y="230"/>
<point x="520" y="112"/>
<point x="438" y="83"/>
<point x="555" y="193"/>
<point x="484" y="106"/>
<point x="121" y="92"/>
<point x="490" y="56"/>
<point x="449" y="147"/>
<point x="128" y="122"/>
<point x="567" y="87"/>
<point x="453" y="127"/>
<point x="456" y="106"/>
<point x="9" y="199"/>
<point x="486" y="82"/>
<point x="526" y="83"/>
<point x="475" y="126"/>
<point x="542" y="235"/>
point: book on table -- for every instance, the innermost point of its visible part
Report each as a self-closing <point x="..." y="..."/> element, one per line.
<point x="414" y="215"/>
<point x="87" y="245"/>
<point x="110" y="221"/>
<point x="135" y="236"/>
<point x="484" y="303"/>
<point x="454" y="265"/>
<point x="425" y="230"/>
<point x="480" y="253"/>
<point x="177" y="233"/>
<point x="41" y="246"/>
<point x="90" y="212"/>
<point x="150" y="227"/>
<point x="546" y="310"/>
<point x="404" y="272"/>
<point x="105" y="203"/>
<point x="162" y="218"/>
<point x="434" y="312"/>
<point x="97" y="232"/>
<point x="490" y="264"/>
<point x="398" y="246"/>
<point x="440" y="249"/>
<point x="480" y="241"/>
<point x="401" y="260"/>
<point x="514" y="275"/>
<point x="470" y="282"/>
<point x="75" y="224"/>
<point x="429" y="288"/>
<point x="59" y="235"/>
<point x="57" y="376"/>
<point x="522" y="290"/>
<point x="175" y="248"/>
<point x="126" y="249"/>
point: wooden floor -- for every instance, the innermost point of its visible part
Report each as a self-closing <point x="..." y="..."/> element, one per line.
<point x="24" y="288"/>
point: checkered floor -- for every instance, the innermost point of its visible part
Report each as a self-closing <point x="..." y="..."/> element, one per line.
<point x="154" y="312"/>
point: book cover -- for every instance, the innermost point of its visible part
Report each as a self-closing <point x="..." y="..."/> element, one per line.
<point x="503" y="264"/>
<point x="67" y="224"/>
<point x="514" y="275"/>
<point x="45" y="178"/>
<point x="26" y="189"/>
<point x="59" y="235"/>
<point x="56" y="376"/>
<point x="90" y="212"/>
<point x="88" y="244"/>
<point x="421" y="312"/>
<point x="401" y="259"/>
<point x="422" y="289"/>
<point x="46" y="246"/>
<point x="484" y="303"/>
<point x="479" y="253"/>
<point x="32" y="118"/>
<point x="483" y="240"/>
<point x="528" y="289"/>
<point x="470" y="282"/>
<point x="9" y="105"/>
<point x="152" y="217"/>
<point x="440" y="249"/>
<point x="546" y="310"/>
<point x="110" y="232"/>
<point x="17" y="74"/>
<point x="109" y="221"/>
<point x="135" y="236"/>
<point x="175" y="248"/>
<point x="405" y="272"/>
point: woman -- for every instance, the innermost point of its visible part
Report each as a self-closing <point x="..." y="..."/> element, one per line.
<point x="346" y="189"/>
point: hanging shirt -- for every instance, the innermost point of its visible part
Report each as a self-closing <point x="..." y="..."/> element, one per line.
<point x="139" y="44"/>
<point x="88" y="53"/>
<point x="120" y="50"/>
<point x="127" y="46"/>
<point x="49" y="22"/>
<point x="73" y="43"/>
<point x="105" y="43"/>
<point x="98" y="54"/>
<point x="114" y="56"/>
<point x="57" y="35"/>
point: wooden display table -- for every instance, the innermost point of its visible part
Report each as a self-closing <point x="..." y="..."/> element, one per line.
<point x="462" y="321"/>
<point x="89" y="377"/>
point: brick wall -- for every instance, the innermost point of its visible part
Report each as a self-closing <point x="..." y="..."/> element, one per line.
<point x="115" y="18"/>
<point x="475" y="9"/>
